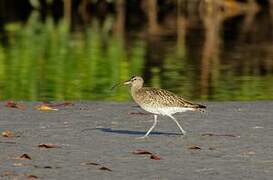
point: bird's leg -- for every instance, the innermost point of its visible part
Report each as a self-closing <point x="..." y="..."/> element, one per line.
<point x="151" y="128"/>
<point x="181" y="129"/>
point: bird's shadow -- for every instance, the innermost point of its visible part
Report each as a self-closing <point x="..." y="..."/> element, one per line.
<point x="129" y="132"/>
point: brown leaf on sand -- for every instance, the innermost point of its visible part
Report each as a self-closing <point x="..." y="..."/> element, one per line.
<point x="45" y="107"/>
<point x="219" y="135"/>
<point x="90" y="163"/>
<point x="44" y="167"/>
<point x="155" y="157"/>
<point x="12" y="104"/>
<point x="25" y="156"/>
<point x="97" y="164"/>
<point x="104" y="168"/>
<point x="194" y="147"/>
<point x="32" y="176"/>
<point x="140" y="152"/>
<point x="47" y="167"/>
<point x="47" y="146"/>
<point x="144" y="152"/>
<point x="8" y="133"/>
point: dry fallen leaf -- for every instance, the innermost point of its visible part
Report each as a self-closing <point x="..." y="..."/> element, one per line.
<point x="44" y="107"/>
<point x="96" y="164"/>
<point x="47" y="146"/>
<point x="15" y="175"/>
<point x="44" y="167"/>
<point x="32" y="176"/>
<point x="8" y="133"/>
<point x="104" y="168"/>
<point x="195" y="147"/>
<point x="12" y="104"/>
<point x="25" y="156"/>
<point x="155" y="157"/>
<point x="47" y="167"/>
<point x="144" y="152"/>
<point x="90" y="163"/>
<point x="140" y="152"/>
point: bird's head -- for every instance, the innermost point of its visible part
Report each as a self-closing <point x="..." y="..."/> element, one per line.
<point x="135" y="82"/>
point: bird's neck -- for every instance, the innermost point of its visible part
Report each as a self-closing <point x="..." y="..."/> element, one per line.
<point x="135" y="89"/>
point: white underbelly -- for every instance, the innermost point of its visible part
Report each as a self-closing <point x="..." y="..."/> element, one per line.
<point x="166" y="110"/>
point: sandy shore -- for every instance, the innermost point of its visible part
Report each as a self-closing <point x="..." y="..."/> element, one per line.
<point x="232" y="140"/>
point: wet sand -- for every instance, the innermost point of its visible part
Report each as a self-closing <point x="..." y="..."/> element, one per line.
<point x="231" y="140"/>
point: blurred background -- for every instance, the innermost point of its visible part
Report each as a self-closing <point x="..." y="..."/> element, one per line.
<point x="218" y="50"/>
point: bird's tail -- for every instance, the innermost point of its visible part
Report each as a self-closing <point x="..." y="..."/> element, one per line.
<point x="199" y="107"/>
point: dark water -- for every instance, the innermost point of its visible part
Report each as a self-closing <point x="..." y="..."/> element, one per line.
<point x="204" y="54"/>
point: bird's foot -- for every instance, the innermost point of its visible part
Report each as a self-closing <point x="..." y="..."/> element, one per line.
<point x="142" y="137"/>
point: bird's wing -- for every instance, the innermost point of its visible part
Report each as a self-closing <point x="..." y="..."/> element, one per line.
<point x="167" y="98"/>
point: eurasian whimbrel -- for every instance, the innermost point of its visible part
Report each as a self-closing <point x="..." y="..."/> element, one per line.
<point x="159" y="102"/>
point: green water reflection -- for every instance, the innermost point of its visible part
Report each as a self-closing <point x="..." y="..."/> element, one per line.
<point x="47" y="61"/>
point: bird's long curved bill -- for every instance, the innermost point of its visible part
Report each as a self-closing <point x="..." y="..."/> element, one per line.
<point x="119" y="84"/>
<point x="115" y="86"/>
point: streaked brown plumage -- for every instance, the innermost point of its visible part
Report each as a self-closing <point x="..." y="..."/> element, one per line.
<point x="159" y="101"/>
<point x="162" y="98"/>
